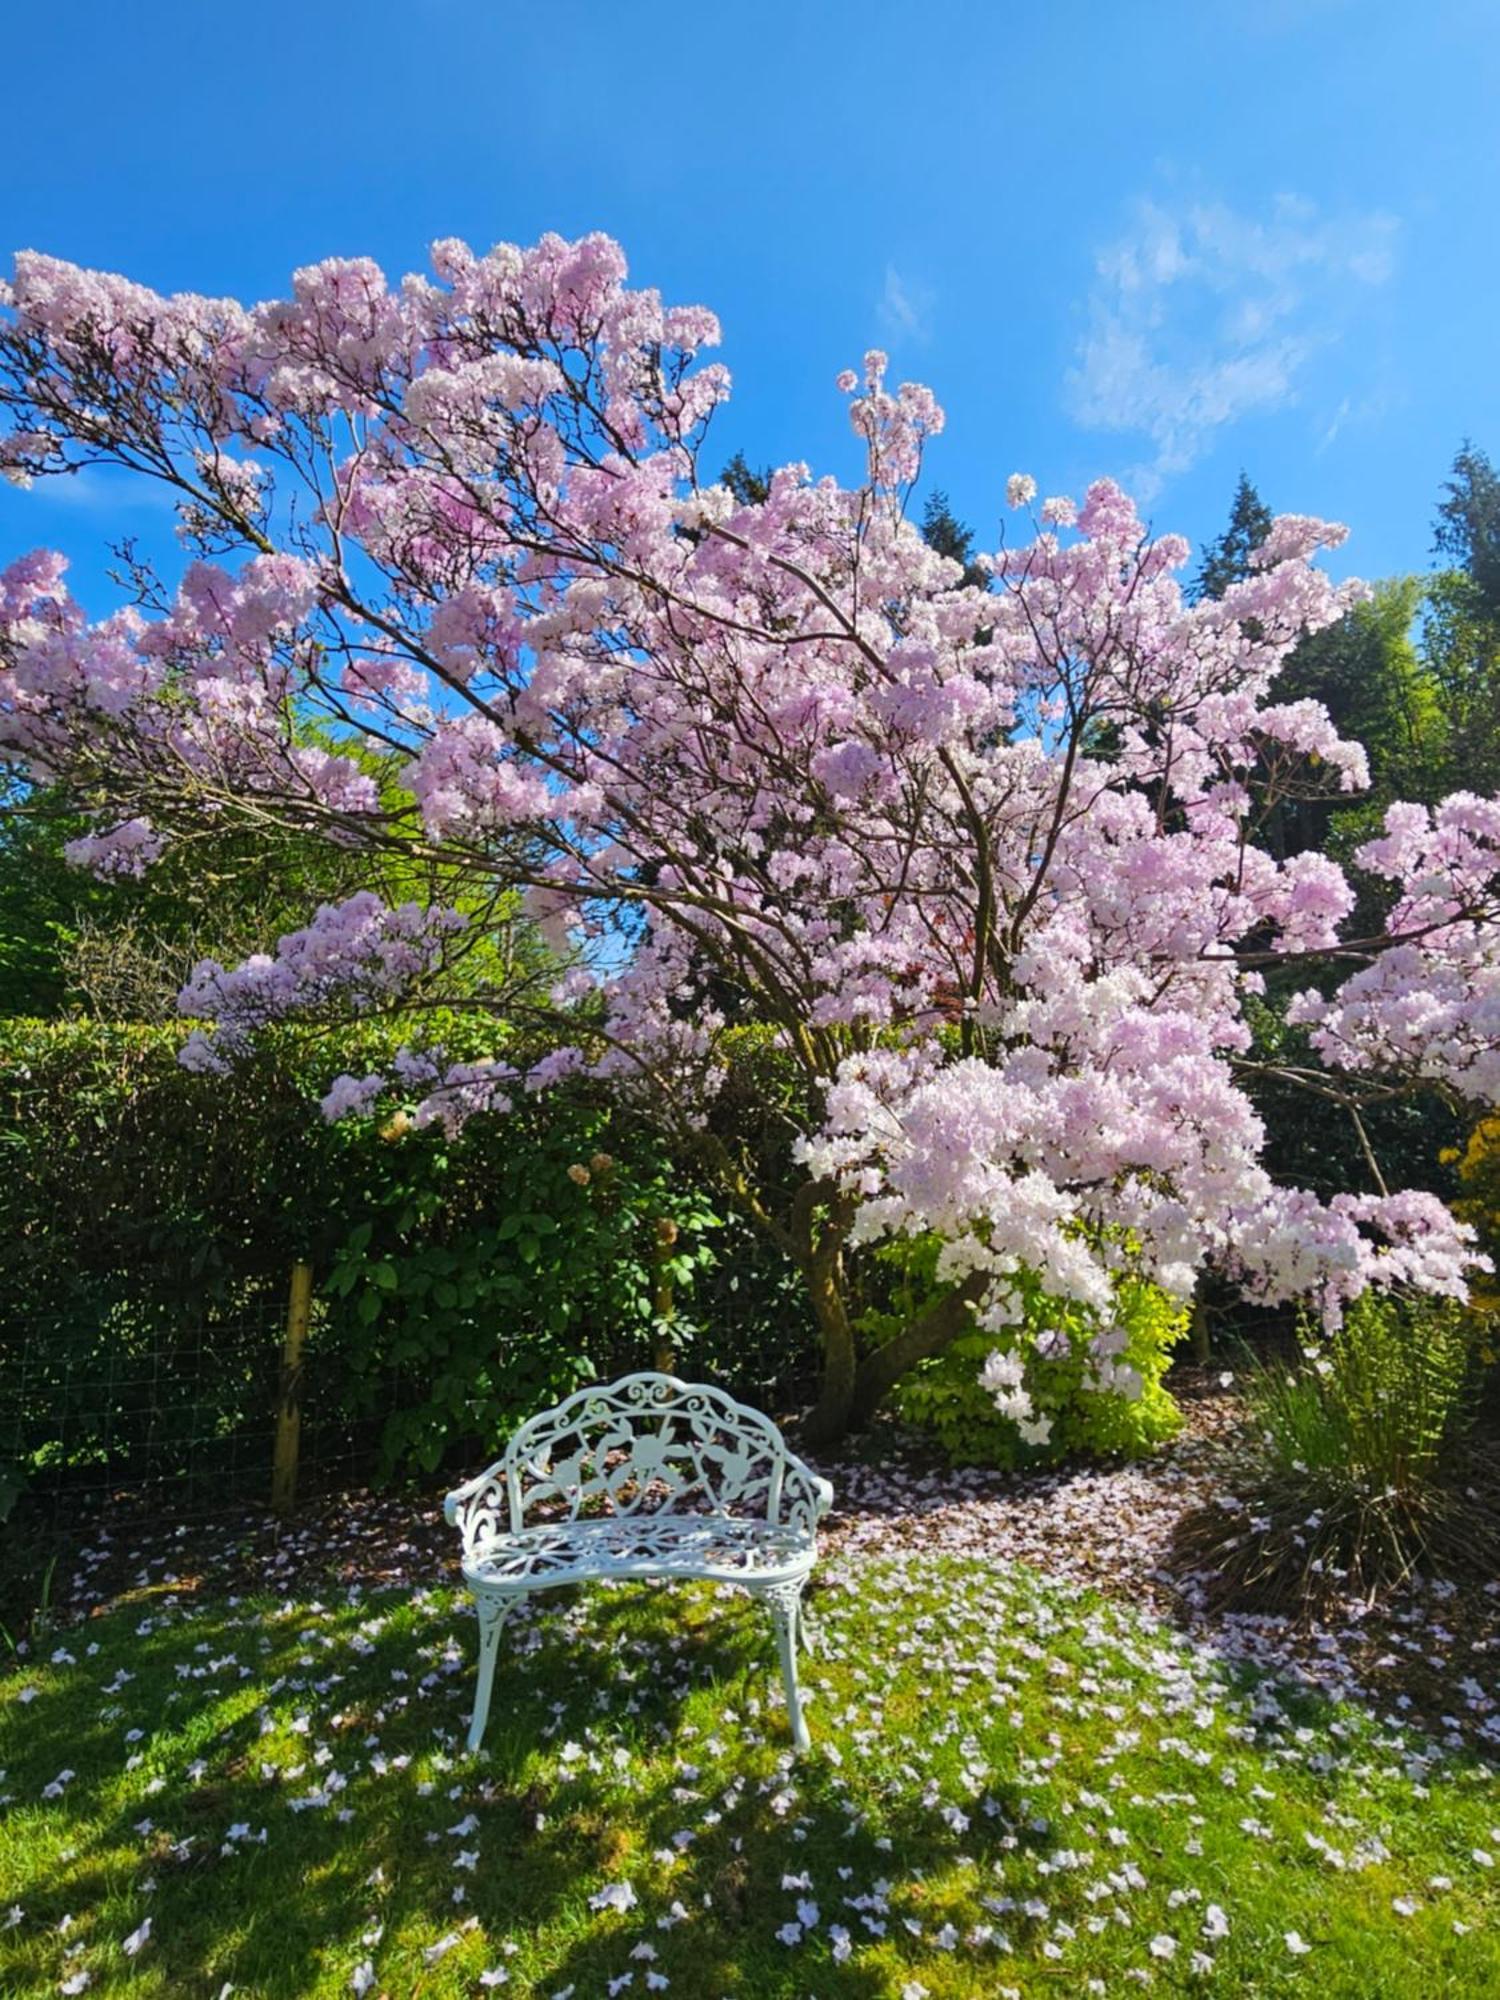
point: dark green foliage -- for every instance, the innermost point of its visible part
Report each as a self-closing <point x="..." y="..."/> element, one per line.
<point x="149" y="1219"/>
<point x="1468" y="527"/>
<point x="44" y="902"/>
<point x="747" y="485"/>
<point x="1380" y="691"/>
<point x="1461" y="626"/>
<point x="1314" y="1143"/>
<point x="1368" y="675"/>
<point x="1359" y="1461"/>
<point x="942" y="530"/>
<point x="490" y="1271"/>
<point x="1227" y="560"/>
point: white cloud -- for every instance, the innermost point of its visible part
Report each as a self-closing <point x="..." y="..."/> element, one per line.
<point x="1336" y="423"/>
<point x="1199" y="316"/>
<point x="101" y="489"/>
<point x="904" y="308"/>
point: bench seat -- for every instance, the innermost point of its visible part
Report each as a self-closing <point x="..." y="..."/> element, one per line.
<point x="718" y="1547"/>
<point x="649" y="1477"/>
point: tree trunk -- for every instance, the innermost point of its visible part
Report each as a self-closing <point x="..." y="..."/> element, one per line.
<point x="853" y="1389"/>
<point x="1202" y="1353"/>
<point x="830" y="1415"/>
<point x="880" y="1371"/>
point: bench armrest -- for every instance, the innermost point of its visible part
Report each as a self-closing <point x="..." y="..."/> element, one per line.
<point x="804" y="1494"/>
<point x="490" y="1481"/>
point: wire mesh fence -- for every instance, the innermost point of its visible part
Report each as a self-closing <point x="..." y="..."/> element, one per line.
<point x="123" y="1402"/>
<point x="120" y="1398"/>
<point x="128" y="1399"/>
<point x="118" y="1411"/>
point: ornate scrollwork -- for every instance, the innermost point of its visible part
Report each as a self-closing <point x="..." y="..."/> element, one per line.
<point x="647" y="1446"/>
<point x="647" y="1477"/>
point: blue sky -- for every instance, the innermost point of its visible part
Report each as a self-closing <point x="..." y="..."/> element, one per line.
<point x="1157" y="240"/>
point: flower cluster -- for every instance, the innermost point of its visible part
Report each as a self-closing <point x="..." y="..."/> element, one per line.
<point x="354" y="954"/>
<point x="984" y="859"/>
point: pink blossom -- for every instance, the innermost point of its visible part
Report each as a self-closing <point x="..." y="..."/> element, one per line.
<point x="981" y="862"/>
<point x="128" y="849"/>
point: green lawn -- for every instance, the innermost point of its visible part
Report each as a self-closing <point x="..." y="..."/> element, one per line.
<point x="1012" y="1789"/>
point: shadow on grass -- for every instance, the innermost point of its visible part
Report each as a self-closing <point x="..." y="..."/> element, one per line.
<point x="292" y="1916"/>
<point x="670" y="1679"/>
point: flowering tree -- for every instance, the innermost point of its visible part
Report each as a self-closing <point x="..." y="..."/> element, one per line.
<point x="984" y="860"/>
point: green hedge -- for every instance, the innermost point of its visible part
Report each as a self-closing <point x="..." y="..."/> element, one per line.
<point x="149" y="1219"/>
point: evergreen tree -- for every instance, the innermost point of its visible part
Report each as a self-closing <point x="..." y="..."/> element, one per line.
<point x="942" y="530"/>
<point x="1468" y="527"/>
<point x="1227" y="560"/>
<point x="747" y="485"/>
<point x="1461" y="626"/>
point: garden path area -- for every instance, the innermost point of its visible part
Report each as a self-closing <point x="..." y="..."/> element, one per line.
<point x="1040" y="1766"/>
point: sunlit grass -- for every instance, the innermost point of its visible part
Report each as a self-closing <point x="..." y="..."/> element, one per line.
<point x="1011" y="1788"/>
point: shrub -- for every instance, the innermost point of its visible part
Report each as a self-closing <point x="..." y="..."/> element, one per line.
<point x="498" y="1271"/>
<point x="1060" y="1344"/>
<point x="1360" y="1454"/>
<point x="1478" y="1167"/>
<point x="151" y="1217"/>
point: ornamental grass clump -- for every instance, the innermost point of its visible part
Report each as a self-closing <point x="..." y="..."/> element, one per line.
<point x="1363" y="1462"/>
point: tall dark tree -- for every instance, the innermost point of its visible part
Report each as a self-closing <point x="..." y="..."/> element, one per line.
<point x="942" y="530"/>
<point x="1468" y="527"/>
<point x="747" y="485"/>
<point x="1461" y="626"/>
<point x="1227" y="560"/>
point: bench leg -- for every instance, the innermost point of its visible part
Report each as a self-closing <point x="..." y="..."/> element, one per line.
<point x="492" y="1615"/>
<point x="785" y="1602"/>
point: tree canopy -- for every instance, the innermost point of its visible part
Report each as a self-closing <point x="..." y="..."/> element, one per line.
<point x="988" y="866"/>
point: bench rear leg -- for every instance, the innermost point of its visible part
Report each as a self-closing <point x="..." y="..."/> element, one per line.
<point x="492" y="1615"/>
<point x="785" y="1600"/>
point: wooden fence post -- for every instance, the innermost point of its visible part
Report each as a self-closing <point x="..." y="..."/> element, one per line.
<point x="289" y="1401"/>
<point x="663" y="1302"/>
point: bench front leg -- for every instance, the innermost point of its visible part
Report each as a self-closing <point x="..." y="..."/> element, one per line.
<point x="493" y="1612"/>
<point x="785" y="1600"/>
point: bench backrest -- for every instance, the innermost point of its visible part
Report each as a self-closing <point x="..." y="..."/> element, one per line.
<point x="650" y="1444"/>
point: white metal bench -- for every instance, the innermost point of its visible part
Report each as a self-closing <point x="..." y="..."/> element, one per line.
<point x="649" y="1477"/>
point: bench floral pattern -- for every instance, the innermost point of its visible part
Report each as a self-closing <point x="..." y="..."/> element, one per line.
<point x="647" y="1477"/>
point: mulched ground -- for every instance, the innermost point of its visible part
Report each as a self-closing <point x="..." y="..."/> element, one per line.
<point x="1430" y="1654"/>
